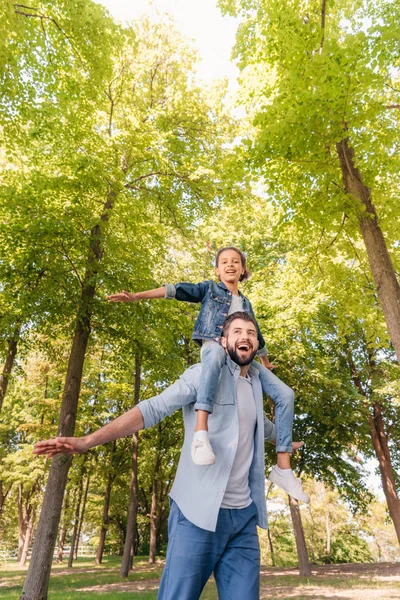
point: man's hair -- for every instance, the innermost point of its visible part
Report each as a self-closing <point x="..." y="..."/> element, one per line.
<point x="246" y="274"/>
<point x="240" y="314"/>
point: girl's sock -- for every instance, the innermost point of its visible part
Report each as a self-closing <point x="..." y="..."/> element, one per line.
<point x="202" y="434"/>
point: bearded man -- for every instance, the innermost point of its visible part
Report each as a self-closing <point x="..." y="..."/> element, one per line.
<point x="214" y="509"/>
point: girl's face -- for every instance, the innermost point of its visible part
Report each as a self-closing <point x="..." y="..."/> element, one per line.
<point x="229" y="268"/>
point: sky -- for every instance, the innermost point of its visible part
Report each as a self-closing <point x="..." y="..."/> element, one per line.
<point x="200" y="20"/>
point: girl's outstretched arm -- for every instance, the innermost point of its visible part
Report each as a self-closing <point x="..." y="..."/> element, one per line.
<point x="125" y="296"/>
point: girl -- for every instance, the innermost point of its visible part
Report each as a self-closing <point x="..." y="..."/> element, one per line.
<point x="218" y="300"/>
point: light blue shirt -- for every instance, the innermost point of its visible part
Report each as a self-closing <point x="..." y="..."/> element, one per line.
<point x="198" y="490"/>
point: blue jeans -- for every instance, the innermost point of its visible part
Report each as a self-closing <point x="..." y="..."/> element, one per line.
<point x="213" y="358"/>
<point x="232" y="552"/>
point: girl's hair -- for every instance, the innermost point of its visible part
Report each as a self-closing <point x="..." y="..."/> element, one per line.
<point x="247" y="273"/>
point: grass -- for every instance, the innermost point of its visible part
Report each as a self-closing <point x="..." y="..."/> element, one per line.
<point x="361" y="582"/>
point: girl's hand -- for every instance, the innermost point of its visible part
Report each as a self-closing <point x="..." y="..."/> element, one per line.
<point x="268" y="365"/>
<point x="124" y="296"/>
<point x="296" y="446"/>
<point x="61" y="445"/>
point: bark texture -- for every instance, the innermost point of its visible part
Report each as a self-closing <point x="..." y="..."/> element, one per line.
<point x="127" y="557"/>
<point x="383" y="273"/>
<point x="302" y="553"/>
<point x="8" y="364"/>
<point x="37" y="580"/>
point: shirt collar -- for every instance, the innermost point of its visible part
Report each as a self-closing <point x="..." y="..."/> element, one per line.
<point x="223" y="286"/>
<point x="232" y="366"/>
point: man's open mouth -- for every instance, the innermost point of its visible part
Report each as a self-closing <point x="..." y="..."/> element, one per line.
<point x="244" y="346"/>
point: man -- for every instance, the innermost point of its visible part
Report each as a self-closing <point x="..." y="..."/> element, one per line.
<point x="214" y="509"/>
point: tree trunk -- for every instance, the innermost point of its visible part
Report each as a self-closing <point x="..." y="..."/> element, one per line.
<point x="9" y="362"/>
<point x="153" y="521"/>
<point x="271" y="547"/>
<point x="37" y="580"/>
<point x="82" y="515"/>
<point x="77" y="515"/>
<point x="106" y="508"/>
<point x="22" y="521"/>
<point x="328" y="538"/>
<point x="63" y="532"/>
<point x="26" y="517"/>
<point x="304" y="563"/>
<point x="4" y="491"/>
<point x="127" y="557"/>
<point x="381" y="446"/>
<point x="27" y="540"/>
<point x="381" y="265"/>
<point x="382" y="451"/>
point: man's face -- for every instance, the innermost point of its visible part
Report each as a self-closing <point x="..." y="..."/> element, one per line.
<point x="241" y="342"/>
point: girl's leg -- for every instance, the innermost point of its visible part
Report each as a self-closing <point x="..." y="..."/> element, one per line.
<point x="283" y="397"/>
<point x="212" y="359"/>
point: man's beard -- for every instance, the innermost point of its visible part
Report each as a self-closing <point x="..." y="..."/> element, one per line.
<point x="242" y="362"/>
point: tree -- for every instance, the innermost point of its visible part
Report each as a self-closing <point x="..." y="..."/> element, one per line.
<point x="321" y="86"/>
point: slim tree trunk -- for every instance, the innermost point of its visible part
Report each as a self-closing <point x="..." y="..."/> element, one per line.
<point x="153" y="520"/>
<point x="328" y="538"/>
<point x="271" y="547"/>
<point x="63" y="531"/>
<point x="27" y="540"/>
<point x="37" y="580"/>
<point x="4" y="491"/>
<point x="76" y="518"/>
<point x="302" y="553"/>
<point x="382" y="451"/>
<point x="383" y="273"/>
<point x="127" y="557"/>
<point x="9" y="362"/>
<point x="106" y="508"/>
<point x="81" y="517"/>
<point x="22" y="520"/>
<point x="380" y="444"/>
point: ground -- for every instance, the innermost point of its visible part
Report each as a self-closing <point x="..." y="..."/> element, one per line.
<point x="376" y="581"/>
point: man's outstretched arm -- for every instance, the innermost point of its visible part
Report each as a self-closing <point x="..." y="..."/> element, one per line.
<point x="122" y="426"/>
<point x="147" y="414"/>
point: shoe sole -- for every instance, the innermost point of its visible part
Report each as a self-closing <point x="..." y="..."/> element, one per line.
<point x="296" y="497"/>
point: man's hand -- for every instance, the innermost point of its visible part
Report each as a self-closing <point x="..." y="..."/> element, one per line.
<point x="124" y="296"/>
<point x="61" y="445"/>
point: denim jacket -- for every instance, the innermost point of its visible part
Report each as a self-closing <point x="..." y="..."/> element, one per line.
<point x="215" y="301"/>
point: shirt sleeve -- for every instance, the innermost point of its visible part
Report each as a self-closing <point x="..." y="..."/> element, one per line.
<point x="186" y="292"/>
<point x="180" y="393"/>
<point x="269" y="429"/>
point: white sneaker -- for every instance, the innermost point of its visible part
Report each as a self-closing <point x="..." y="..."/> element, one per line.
<point x="285" y="479"/>
<point x="202" y="452"/>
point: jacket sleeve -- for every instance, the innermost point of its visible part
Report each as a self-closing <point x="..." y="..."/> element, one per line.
<point x="180" y="393"/>
<point x="186" y="292"/>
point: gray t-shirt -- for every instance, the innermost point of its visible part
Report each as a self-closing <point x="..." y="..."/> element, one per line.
<point x="237" y="494"/>
<point x="236" y="304"/>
